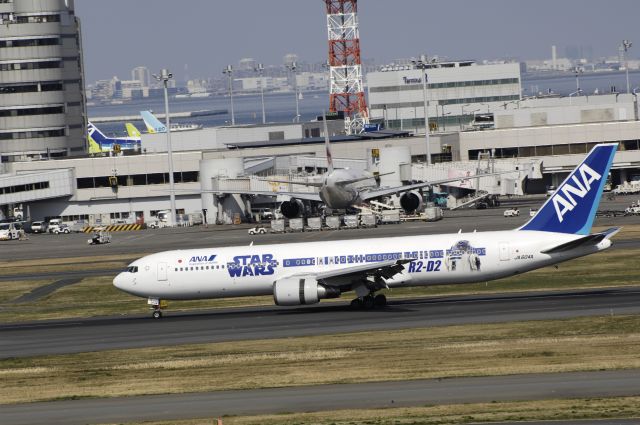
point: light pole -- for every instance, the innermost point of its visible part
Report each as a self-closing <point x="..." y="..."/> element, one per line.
<point x="260" y="70"/>
<point x="578" y="71"/>
<point x="165" y="76"/>
<point x="229" y="71"/>
<point x="421" y="64"/>
<point x="444" y="118"/>
<point x="292" y="68"/>
<point x="626" y="45"/>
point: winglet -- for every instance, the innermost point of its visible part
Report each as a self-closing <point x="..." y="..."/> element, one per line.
<point x="572" y="208"/>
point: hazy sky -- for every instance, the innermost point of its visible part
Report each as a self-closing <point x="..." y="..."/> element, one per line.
<point x="209" y="34"/>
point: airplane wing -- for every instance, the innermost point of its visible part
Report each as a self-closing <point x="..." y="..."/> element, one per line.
<point x="592" y="239"/>
<point x="384" y="269"/>
<point x="312" y="184"/>
<point x="305" y="196"/>
<point x="376" y="193"/>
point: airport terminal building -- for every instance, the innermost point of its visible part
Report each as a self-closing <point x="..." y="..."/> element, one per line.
<point x="42" y="106"/>
<point x="456" y="91"/>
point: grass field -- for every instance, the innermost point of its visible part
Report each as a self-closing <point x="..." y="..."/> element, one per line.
<point x="601" y="408"/>
<point x="596" y="343"/>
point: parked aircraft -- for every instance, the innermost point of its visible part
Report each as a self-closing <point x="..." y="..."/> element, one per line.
<point x="305" y="273"/>
<point x="132" y="130"/>
<point x="98" y="142"/>
<point x="154" y="125"/>
<point x="342" y="188"/>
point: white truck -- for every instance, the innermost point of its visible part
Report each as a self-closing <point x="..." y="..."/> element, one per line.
<point x="54" y="225"/>
<point x="9" y="231"/>
<point x="161" y="220"/>
<point x="627" y="188"/>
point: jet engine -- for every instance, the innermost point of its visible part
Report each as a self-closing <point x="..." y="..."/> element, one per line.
<point x="292" y="208"/>
<point x="301" y="290"/>
<point x="411" y="202"/>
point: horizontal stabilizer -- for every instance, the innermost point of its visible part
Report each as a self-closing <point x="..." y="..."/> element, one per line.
<point x="360" y="179"/>
<point x="588" y="240"/>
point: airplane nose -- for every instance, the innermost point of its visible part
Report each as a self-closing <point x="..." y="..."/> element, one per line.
<point x="120" y="282"/>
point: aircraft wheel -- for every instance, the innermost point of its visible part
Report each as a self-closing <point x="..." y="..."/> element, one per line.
<point x="356" y="304"/>
<point x="368" y="302"/>
<point x="380" y="301"/>
<point x="157" y="314"/>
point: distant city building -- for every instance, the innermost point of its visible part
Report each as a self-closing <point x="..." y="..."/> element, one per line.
<point x="42" y="103"/>
<point x="247" y="64"/>
<point x="457" y="91"/>
<point x="103" y="89"/>
<point x="141" y="73"/>
<point x="289" y="58"/>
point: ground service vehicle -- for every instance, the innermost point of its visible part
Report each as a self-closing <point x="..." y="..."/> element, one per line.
<point x="9" y="231"/>
<point x="100" y="238"/>
<point x="512" y="212"/>
<point x="54" y="223"/>
<point x="38" y="227"/>
<point x="62" y="228"/>
<point x="259" y="230"/>
<point x="305" y="273"/>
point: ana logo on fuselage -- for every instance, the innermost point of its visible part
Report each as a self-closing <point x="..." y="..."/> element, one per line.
<point x="202" y="258"/>
<point x="564" y="201"/>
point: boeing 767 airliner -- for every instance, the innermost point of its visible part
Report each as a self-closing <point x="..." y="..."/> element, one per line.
<point x="305" y="273"/>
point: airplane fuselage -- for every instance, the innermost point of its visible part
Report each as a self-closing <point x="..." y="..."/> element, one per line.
<point x="337" y="195"/>
<point x="436" y="259"/>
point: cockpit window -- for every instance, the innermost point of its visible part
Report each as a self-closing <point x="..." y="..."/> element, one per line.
<point x="132" y="269"/>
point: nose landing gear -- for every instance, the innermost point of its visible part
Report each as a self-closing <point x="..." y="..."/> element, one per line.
<point x="157" y="305"/>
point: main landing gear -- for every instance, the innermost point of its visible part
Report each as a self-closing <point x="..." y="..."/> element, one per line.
<point x="369" y="302"/>
<point x="157" y="306"/>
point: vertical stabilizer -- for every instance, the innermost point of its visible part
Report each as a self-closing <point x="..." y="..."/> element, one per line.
<point x="572" y="207"/>
<point x="327" y="144"/>
<point x="153" y="124"/>
<point x="132" y="130"/>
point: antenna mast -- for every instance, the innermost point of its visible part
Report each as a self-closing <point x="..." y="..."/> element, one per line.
<point x="345" y="64"/>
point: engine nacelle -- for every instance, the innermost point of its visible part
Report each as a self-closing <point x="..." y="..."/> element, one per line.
<point x="411" y="202"/>
<point x="301" y="290"/>
<point x="292" y="208"/>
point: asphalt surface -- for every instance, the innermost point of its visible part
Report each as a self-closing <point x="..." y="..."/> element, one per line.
<point x="327" y="397"/>
<point x="73" y="336"/>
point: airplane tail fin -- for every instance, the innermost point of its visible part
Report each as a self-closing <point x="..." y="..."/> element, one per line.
<point x="572" y="207"/>
<point x="327" y="145"/>
<point x="132" y="131"/>
<point x="153" y="124"/>
<point x="94" y="138"/>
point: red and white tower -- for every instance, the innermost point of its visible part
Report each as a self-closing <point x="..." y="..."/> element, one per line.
<point x="345" y="66"/>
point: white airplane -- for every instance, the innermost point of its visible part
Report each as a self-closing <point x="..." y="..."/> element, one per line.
<point x="305" y="273"/>
<point x="342" y="188"/>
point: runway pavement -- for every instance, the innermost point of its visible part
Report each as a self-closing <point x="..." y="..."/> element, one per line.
<point x="327" y="397"/>
<point x="73" y="336"/>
